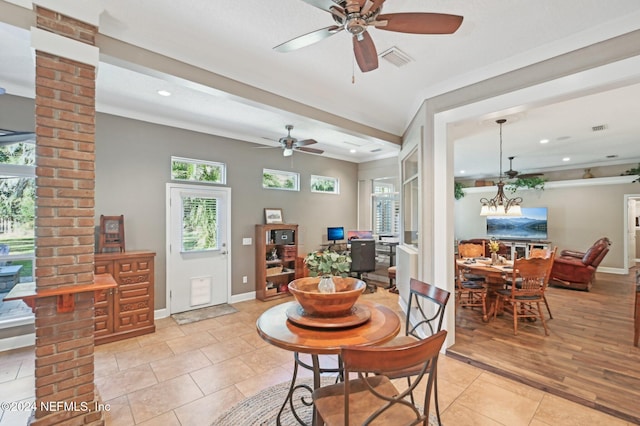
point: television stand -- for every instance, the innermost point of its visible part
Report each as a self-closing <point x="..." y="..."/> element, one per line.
<point x="520" y="248"/>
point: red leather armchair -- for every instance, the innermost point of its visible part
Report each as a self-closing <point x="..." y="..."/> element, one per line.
<point x="575" y="269"/>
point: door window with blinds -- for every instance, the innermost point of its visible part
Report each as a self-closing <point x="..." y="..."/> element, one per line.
<point x="386" y="207"/>
<point x="199" y="224"/>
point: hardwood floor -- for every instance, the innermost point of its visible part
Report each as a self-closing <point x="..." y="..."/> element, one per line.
<point x="589" y="357"/>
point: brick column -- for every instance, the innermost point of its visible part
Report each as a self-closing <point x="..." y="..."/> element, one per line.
<point x="65" y="180"/>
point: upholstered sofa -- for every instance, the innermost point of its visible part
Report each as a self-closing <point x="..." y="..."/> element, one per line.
<point x="575" y="269"/>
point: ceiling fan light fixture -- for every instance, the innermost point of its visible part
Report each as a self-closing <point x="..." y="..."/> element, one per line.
<point x="287" y="152"/>
<point x="501" y="205"/>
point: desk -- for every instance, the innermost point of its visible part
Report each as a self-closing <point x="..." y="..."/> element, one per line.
<point x="387" y="248"/>
<point x="274" y="327"/>
<point x="494" y="277"/>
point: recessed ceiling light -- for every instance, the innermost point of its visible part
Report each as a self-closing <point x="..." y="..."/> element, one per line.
<point x="353" y="151"/>
<point x="462" y="172"/>
<point x="164" y="93"/>
<point x="544" y="140"/>
<point x="566" y="159"/>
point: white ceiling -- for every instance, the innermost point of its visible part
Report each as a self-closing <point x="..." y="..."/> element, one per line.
<point x="234" y="39"/>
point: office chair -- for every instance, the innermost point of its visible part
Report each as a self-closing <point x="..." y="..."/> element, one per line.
<point x="363" y="259"/>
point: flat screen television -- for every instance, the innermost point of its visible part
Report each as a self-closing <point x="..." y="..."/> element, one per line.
<point x="532" y="225"/>
<point x="335" y="233"/>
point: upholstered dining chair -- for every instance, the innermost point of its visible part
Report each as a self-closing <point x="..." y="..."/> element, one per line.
<point x="427" y="303"/>
<point x="529" y="279"/>
<point x="370" y="397"/>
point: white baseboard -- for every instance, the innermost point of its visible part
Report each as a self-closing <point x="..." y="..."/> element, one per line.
<point x="160" y="313"/>
<point x="243" y="297"/>
<point x="618" y="271"/>
<point x="16" y="342"/>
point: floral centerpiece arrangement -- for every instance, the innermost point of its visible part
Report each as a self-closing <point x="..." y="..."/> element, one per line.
<point x="328" y="263"/>
<point x="494" y="246"/>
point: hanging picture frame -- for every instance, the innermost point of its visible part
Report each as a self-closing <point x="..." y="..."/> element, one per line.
<point x="273" y="215"/>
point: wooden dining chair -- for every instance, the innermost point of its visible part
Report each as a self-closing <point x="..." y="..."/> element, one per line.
<point x="420" y="324"/>
<point x="469" y="251"/>
<point x="367" y="396"/>
<point x="545" y="253"/>
<point x="470" y="293"/>
<point x="466" y="250"/>
<point x="529" y="278"/>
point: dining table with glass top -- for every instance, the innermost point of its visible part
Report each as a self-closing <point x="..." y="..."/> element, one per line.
<point x="494" y="275"/>
<point x="283" y="328"/>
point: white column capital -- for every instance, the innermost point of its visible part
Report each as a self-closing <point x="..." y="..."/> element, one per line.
<point x="65" y="47"/>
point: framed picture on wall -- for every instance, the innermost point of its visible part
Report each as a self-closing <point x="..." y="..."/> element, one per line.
<point x="272" y="215"/>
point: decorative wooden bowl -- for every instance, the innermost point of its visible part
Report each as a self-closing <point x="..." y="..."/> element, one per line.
<point x="340" y="303"/>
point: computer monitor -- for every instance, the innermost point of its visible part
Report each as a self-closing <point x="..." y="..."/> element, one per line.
<point x="359" y="235"/>
<point x="335" y="233"/>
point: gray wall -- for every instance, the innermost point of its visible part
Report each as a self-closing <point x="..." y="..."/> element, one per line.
<point x="133" y="167"/>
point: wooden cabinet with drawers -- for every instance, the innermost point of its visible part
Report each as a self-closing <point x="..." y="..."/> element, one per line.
<point x="127" y="310"/>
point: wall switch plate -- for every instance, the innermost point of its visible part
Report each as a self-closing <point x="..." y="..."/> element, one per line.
<point x="246" y="241"/>
<point x="244" y="279"/>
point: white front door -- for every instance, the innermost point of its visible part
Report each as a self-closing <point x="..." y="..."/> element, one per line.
<point x="198" y="259"/>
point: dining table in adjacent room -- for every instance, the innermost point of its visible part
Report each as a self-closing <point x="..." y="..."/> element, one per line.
<point x="282" y="327"/>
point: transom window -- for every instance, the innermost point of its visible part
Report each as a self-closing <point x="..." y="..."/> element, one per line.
<point x="187" y="169"/>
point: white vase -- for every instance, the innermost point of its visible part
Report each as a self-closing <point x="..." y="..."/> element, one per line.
<point x="494" y="258"/>
<point x="326" y="285"/>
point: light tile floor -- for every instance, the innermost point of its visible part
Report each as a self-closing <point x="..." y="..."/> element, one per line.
<point x="188" y="375"/>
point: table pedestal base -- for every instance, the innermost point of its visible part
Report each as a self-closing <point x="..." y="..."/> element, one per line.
<point x="317" y="371"/>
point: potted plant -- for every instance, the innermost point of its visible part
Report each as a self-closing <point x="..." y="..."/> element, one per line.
<point x="532" y="182"/>
<point x="633" y="171"/>
<point x="326" y="264"/>
<point x="458" y="192"/>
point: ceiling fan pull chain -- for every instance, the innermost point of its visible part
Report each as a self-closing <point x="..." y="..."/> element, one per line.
<point x="353" y="69"/>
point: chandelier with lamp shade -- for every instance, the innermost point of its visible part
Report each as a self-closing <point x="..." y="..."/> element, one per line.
<point x="501" y="205"/>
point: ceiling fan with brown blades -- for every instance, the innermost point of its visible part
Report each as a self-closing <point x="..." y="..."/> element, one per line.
<point x="512" y="174"/>
<point x="289" y="144"/>
<point x="355" y="16"/>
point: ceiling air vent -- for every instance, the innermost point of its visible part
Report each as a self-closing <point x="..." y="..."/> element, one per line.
<point x="396" y="56"/>
<point x="599" y="128"/>
<point x="376" y="150"/>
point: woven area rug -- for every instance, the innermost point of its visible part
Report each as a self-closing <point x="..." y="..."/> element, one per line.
<point x="262" y="408"/>
<point x="203" y="314"/>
